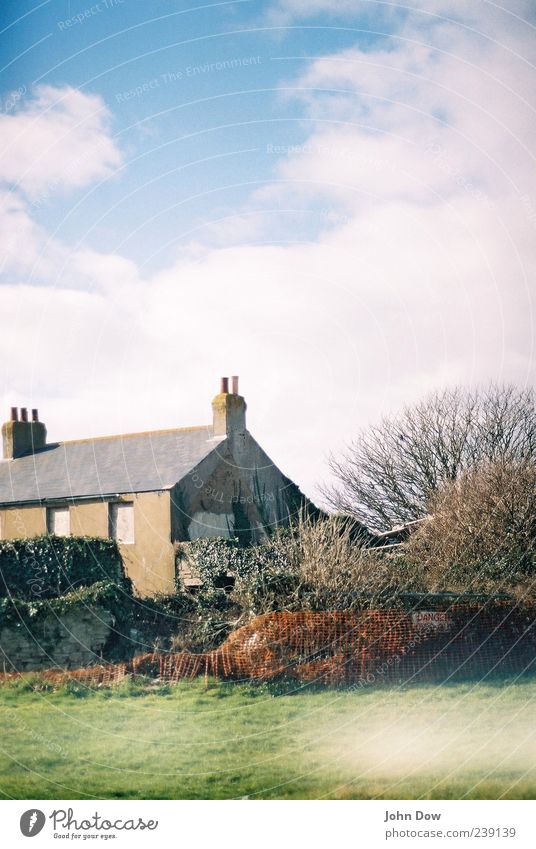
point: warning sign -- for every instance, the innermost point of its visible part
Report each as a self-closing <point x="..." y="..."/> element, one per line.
<point x="432" y="620"/>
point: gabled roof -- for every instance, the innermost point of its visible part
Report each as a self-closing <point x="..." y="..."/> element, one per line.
<point x="108" y="465"/>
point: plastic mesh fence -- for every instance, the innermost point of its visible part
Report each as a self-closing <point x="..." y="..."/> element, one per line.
<point x="349" y="648"/>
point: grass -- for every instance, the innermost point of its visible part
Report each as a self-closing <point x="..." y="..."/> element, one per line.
<point x="268" y="741"/>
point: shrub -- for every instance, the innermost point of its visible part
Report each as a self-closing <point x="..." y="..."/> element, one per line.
<point x="49" y="566"/>
<point x="316" y="564"/>
<point x="104" y="594"/>
<point x="481" y="532"/>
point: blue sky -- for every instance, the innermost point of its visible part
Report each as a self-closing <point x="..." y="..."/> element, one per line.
<point x="335" y="200"/>
<point x="196" y="132"/>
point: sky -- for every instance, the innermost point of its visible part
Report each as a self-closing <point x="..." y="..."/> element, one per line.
<point x="333" y="199"/>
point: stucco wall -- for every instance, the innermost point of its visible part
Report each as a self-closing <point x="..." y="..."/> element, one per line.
<point x="89" y="518"/>
<point x="22" y="522"/>
<point x="236" y="490"/>
<point x="149" y="561"/>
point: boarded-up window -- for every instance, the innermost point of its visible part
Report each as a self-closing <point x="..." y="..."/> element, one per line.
<point x="59" y="521"/>
<point x="121" y="522"/>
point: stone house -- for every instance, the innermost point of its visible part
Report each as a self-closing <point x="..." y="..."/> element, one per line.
<point x="149" y="491"/>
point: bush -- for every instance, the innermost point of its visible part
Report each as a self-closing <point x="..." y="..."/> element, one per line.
<point x="109" y="596"/>
<point x="481" y="532"/>
<point x="49" y="566"/>
<point x="313" y="565"/>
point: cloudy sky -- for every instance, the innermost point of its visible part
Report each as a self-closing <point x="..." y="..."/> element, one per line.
<point x="334" y="199"/>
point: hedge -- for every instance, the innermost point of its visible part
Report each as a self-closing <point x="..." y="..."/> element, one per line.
<point x="46" y="567"/>
<point x="21" y="613"/>
<point x="138" y="624"/>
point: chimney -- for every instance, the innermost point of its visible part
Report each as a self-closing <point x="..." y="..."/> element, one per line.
<point x="23" y="437"/>
<point x="229" y="410"/>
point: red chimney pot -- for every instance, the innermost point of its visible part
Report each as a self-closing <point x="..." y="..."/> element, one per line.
<point x="224" y="385"/>
<point x="23" y="414"/>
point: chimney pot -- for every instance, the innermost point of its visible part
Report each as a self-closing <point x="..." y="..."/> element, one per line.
<point x="234" y="384"/>
<point x="21" y="437"/>
<point x="229" y="411"/>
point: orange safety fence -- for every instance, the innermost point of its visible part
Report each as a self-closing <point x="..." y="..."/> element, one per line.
<point x="342" y="647"/>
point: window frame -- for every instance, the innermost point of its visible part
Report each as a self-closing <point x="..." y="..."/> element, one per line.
<point x="50" y="511"/>
<point x="114" y="508"/>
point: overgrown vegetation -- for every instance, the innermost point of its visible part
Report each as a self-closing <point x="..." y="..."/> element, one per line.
<point x="480" y="533"/>
<point x="316" y="564"/>
<point x="46" y="567"/>
<point x="464" y="462"/>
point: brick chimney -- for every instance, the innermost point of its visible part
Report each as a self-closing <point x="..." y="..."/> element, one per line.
<point x="21" y="436"/>
<point x="229" y="409"/>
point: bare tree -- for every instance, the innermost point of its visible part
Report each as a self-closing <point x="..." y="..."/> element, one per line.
<point x="389" y="473"/>
<point x="481" y="531"/>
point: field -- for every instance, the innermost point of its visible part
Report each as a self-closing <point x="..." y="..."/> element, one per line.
<point x="268" y="741"/>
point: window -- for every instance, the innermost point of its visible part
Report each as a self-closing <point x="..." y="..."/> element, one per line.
<point x="121" y="522"/>
<point x="58" y="521"/>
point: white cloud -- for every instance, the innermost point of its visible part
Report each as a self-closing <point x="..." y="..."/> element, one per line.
<point x="324" y="335"/>
<point x="484" y="15"/>
<point x="56" y="140"/>
<point x="419" y="166"/>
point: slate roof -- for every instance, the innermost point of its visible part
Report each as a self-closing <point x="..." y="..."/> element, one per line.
<point x="137" y="462"/>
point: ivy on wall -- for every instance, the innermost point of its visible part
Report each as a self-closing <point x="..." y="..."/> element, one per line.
<point x="46" y="567"/>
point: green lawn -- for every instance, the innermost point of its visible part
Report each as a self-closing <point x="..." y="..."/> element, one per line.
<point x="232" y="740"/>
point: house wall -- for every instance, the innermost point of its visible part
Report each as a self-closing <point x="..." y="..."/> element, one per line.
<point x="89" y="518"/>
<point x="235" y="491"/>
<point x="149" y="561"/>
<point x="16" y="522"/>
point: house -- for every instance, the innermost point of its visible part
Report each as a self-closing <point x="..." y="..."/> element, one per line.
<point x="149" y="491"/>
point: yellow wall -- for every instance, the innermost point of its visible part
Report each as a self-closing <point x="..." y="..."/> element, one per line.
<point x="89" y="518"/>
<point x="23" y="522"/>
<point x="149" y="561"/>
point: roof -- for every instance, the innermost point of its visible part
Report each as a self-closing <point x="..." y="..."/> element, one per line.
<point x="135" y="462"/>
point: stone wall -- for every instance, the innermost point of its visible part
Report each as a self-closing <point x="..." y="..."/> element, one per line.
<point x="75" y="639"/>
